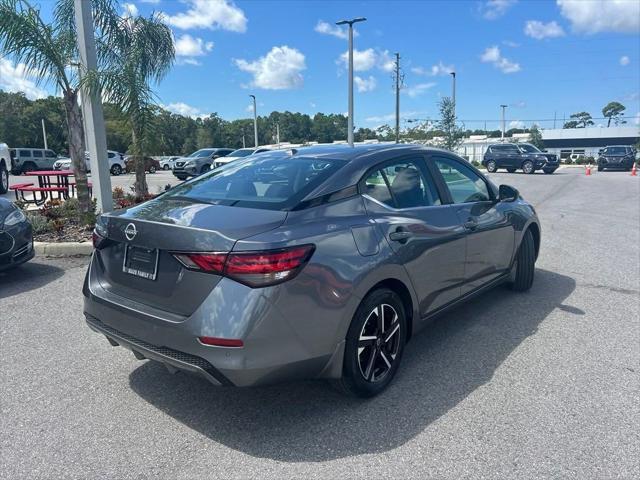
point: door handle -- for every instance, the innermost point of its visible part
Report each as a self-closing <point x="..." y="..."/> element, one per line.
<point x="400" y="235"/>
<point x="470" y="224"/>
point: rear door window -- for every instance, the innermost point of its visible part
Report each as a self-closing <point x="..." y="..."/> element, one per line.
<point x="50" y="154"/>
<point x="24" y="153"/>
<point x="37" y="154"/>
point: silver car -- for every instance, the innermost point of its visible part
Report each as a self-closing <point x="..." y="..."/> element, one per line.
<point x="316" y="263"/>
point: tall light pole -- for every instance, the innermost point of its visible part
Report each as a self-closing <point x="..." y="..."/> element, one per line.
<point x="44" y="135"/>
<point x="350" y="115"/>
<point x="503" y="108"/>
<point x="398" y="81"/>
<point x="453" y="95"/>
<point x="255" y="122"/>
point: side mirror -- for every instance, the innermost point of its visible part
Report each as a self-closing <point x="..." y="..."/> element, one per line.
<point x="507" y="193"/>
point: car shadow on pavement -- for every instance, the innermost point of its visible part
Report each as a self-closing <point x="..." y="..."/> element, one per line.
<point x="26" y="277"/>
<point x="309" y="421"/>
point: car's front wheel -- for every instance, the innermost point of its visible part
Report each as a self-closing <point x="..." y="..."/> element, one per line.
<point x="527" y="167"/>
<point x="525" y="264"/>
<point x="600" y="168"/>
<point x="491" y="166"/>
<point x="152" y="169"/>
<point x="549" y="171"/>
<point x="374" y="344"/>
<point x="116" y="170"/>
<point x="165" y="166"/>
<point x="4" y="179"/>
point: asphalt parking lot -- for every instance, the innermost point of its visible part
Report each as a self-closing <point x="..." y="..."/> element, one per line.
<point x="537" y="385"/>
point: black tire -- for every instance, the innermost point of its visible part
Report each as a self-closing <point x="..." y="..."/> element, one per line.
<point x="525" y="264"/>
<point x="600" y="168"/>
<point x="377" y="350"/>
<point x="152" y="169"/>
<point x="205" y="168"/>
<point x="28" y="167"/>
<point x="181" y="177"/>
<point x="549" y="172"/>
<point x="116" y="170"/>
<point x="528" y="167"/>
<point x="511" y="170"/>
<point x="492" y="166"/>
<point x="165" y="166"/>
<point x="4" y="178"/>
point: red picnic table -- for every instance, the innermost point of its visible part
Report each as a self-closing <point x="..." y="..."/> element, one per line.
<point x="47" y="186"/>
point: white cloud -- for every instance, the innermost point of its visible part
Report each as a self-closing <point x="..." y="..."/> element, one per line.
<point x="364" y="84"/>
<point x="493" y="9"/>
<point x="386" y="62"/>
<point x="15" y="79"/>
<point x="435" y="70"/>
<point x="154" y="2"/>
<point x="363" y="60"/>
<point x="539" y="30"/>
<point x="391" y="116"/>
<point x="595" y="16"/>
<point x="492" y="55"/>
<point x="210" y="14"/>
<point x="188" y="46"/>
<point x="279" y="69"/>
<point x="129" y="10"/>
<point x="182" y="108"/>
<point x="418" y="89"/>
<point x="520" y="104"/>
<point x="624" y="61"/>
<point x="510" y="43"/>
<point x="516" y="124"/>
<point x="335" y="30"/>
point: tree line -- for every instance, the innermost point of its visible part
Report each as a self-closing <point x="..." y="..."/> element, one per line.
<point x="612" y="111"/>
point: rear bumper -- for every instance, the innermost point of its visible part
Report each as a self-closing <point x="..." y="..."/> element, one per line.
<point x="622" y="164"/>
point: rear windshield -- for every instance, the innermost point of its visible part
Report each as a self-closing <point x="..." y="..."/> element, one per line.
<point x="243" y="152"/>
<point x="267" y="182"/>
<point x="201" y="153"/>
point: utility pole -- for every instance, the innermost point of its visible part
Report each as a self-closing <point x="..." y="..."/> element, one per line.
<point x="278" y="134"/>
<point x="398" y="81"/>
<point x="503" y="125"/>
<point x="243" y="144"/>
<point x="554" y="120"/>
<point x="255" y="122"/>
<point x="350" y="114"/>
<point x="44" y="135"/>
<point x="92" y="108"/>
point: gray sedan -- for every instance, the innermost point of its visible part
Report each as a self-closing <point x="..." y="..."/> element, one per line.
<point x="316" y="263"/>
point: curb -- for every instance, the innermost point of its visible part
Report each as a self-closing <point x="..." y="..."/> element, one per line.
<point x="62" y="249"/>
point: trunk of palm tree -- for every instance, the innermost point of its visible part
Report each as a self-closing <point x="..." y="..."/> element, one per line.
<point x="140" y="185"/>
<point x="77" y="150"/>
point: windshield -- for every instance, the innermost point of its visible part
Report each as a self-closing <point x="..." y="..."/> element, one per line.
<point x="529" y="148"/>
<point x="268" y="182"/>
<point x="615" y="150"/>
<point x="201" y="153"/>
<point x="242" y="152"/>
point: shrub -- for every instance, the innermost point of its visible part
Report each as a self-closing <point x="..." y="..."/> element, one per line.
<point x="39" y="223"/>
<point x="475" y="163"/>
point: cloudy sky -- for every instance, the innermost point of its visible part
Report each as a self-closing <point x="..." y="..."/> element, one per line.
<point x="540" y="58"/>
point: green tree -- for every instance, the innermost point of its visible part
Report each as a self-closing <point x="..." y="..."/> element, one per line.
<point x="536" y="137"/>
<point x="614" y="111"/>
<point x="451" y="134"/>
<point x="143" y="53"/>
<point x="579" y="120"/>
<point x="49" y="52"/>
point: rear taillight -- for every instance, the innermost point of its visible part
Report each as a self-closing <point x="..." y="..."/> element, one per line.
<point x="255" y="269"/>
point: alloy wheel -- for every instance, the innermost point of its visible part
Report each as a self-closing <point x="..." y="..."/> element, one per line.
<point x="4" y="180"/>
<point x="491" y="166"/>
<point x="527" y="167"/>
<point x="379" y="343"/>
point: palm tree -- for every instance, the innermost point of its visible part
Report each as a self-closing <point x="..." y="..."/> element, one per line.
<point x="49" y="52"/>
<point x="145" y="53"/>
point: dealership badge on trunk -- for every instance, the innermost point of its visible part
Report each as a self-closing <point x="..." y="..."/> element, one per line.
<point x="130" y="231"/>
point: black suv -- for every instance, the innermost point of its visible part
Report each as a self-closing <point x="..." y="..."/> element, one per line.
<point x="514" y="156"/>
<point x="620" y="157"/>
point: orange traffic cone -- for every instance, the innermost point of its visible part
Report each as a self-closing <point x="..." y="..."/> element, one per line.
<point x="634" y="171"/>
<point x="588" y="170"/>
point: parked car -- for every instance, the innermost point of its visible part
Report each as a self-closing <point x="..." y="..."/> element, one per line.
<point x="238" y="154"/>
<point x="116" y="163"/>
<point x="5" y="166"/>
<point x="198" y="162"/>
<point x="618" y="157"/>
<point x="168" y="163"/>
<point x="151" y="165"/>
<point x="318" y="263"/>
<point x="29" y="159"/>
<point x="514" y="156"/>
<point x="16" y="239"/>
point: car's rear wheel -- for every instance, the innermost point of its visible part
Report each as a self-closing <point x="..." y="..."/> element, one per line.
<point x="152" y="169"/>
<point x="600" y="168"/>
<point x="525" y="265"/>
<point x="116" y="170"/>
<point x="205" y="169"/>
<point x="527" y="167"/>
<point x="4" y="178"/>
<point x="165" y="166"/>
<point x="374" y="344"/>
<point x="511" y="170"/>
<point x="491" y="166"/>
<point x="28" y="167"/>
<point x="181" y="177"/>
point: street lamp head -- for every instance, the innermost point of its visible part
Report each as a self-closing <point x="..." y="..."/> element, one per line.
<point x="351" y="22"/>
<point x="253" y="96"/>
<point x="453" y="74"/>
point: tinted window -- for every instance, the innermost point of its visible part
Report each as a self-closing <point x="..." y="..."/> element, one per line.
<point x="111" y="155"/>
<point x="464" y="184"/>
<point x="201" y="153"/>
<point x="50" y="154"/>
<point x="276" y="183"/>
<point x="37" y="154"/>
<point x="529" y="148"/>
<point x="243" y="152"/>
<point x="24" y="153"/>
<point x="12" y="152"/>
<point x="402" y="184"/>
